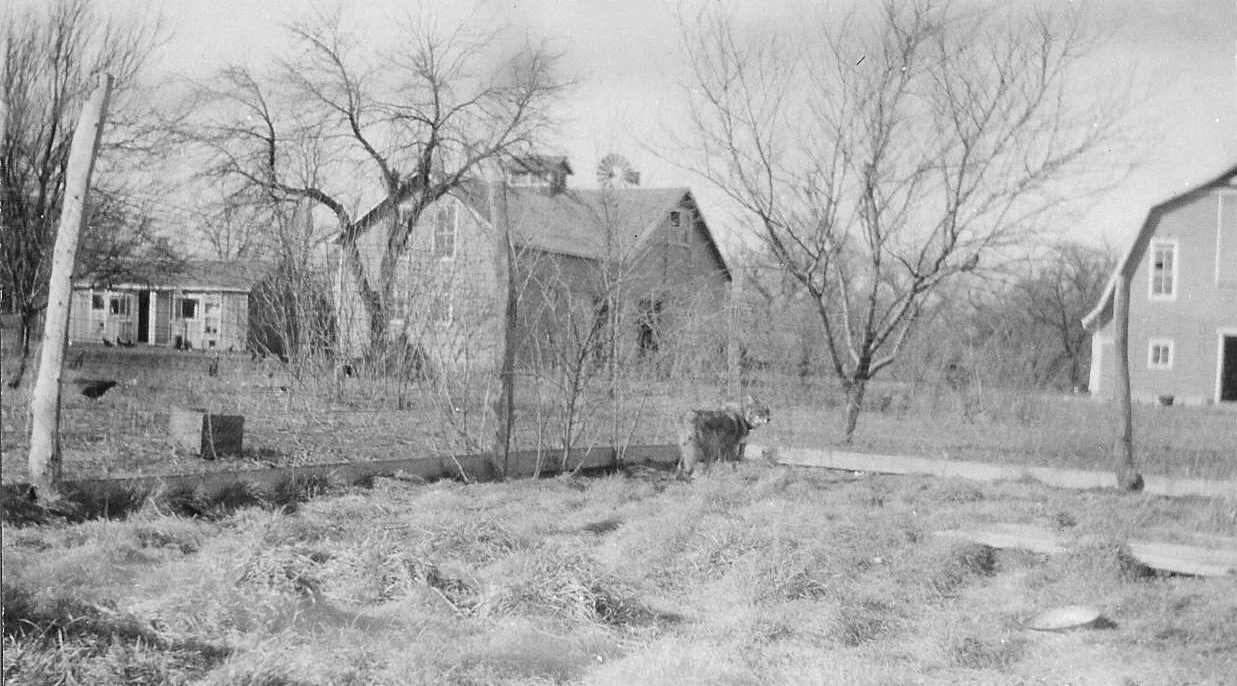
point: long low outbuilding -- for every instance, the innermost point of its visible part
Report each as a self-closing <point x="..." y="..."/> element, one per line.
<point x="200" y="305"/>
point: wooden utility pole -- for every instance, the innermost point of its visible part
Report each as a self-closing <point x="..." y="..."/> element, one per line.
<point x="45" y="401"/>
<point x="504" y="262"/>
<point x="1128" y="478"/>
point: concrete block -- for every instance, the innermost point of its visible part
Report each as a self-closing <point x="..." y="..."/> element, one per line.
<point x="210" y="436"/>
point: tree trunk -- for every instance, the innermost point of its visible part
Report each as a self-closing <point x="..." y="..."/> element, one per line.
<point x="1128" y="478"/>
<point x="855" y="389"/>
<point x="45" y="401"/>
<point x="28" y="318"/>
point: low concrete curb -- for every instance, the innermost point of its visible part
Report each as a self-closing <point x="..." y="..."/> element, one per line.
<point x="982" y="471"/>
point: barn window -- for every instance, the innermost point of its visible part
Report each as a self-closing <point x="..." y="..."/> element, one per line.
<point x="1163" y="270"/>
<point x="96" y="302"/>
<point x="1160" y="354"/>
<point x="444" y="230"/>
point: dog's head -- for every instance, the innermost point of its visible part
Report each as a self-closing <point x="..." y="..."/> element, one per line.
<point x="756" y="413"/>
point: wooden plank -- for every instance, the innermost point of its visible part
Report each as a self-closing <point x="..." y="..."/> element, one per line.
<point x="1220" y="560"/>
<point x="981" y="471"/>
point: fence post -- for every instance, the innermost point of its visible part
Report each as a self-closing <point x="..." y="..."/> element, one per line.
<point x="733" y="390"/>
<point x="1128" y="478"/>
<point x="504" y="403"/>
<point x="44" y="457"/>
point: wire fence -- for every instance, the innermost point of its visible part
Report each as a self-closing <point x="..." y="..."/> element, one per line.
<point x="574" y="391"/>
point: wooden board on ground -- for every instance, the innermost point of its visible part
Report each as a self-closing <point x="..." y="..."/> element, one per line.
<point x="982" y="471"/>
<point x="1217" y="560"/>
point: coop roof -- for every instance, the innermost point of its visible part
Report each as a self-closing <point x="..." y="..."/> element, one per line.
<point x="193" y="275"/>
<point x="1102" y="314"/>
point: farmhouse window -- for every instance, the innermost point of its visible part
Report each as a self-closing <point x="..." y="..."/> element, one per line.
<point x="1163" y="270"/>
<point x="676" y="220"/>
<point x="444" y="231"/>
<point x="441" y="309"/>
<point x="1160" y="354"/>
<point x="96" y="302"/>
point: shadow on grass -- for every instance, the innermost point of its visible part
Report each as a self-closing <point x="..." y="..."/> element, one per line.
<point x="18" y="506"/>
<point x="61" y="620"/>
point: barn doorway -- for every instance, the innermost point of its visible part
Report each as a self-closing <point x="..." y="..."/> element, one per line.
<point x="1228" y="369"/>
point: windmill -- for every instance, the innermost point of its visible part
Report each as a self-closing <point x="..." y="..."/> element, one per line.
<point x="614" y="171"/>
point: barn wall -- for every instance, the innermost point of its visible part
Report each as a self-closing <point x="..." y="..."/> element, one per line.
<point x="1205" y="302"/>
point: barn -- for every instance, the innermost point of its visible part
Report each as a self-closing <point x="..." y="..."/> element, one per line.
<point x="1181" y="273"/>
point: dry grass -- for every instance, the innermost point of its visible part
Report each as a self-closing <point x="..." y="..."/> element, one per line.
<point x="764" y="575"/>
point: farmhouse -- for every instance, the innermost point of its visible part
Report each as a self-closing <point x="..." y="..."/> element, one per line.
<point x="199" y="304"/>
<point x="1181" y="269"/>
<point x="648" y="251"/>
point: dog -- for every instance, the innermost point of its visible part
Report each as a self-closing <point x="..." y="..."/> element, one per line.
<point x="707" y="436"/>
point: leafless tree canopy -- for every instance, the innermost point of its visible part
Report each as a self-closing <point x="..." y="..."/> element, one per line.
<point x="52" y="57"/>
<point x="414" y="120"/>
<point x="885" y="153"/>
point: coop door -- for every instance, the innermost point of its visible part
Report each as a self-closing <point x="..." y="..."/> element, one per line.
<point x="120" y="315"/>
<point x="188" y="310"/>
<point x="212" y="310"/>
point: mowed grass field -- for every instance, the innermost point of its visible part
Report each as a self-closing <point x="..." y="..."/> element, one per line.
<point x="760" y="575"/>
<point x="303" y="416"/>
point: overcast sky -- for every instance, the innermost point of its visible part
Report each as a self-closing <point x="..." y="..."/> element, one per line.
<point x="1180" y="56"/>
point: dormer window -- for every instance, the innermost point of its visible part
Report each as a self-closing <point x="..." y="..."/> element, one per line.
<point x="1163" y="270"/>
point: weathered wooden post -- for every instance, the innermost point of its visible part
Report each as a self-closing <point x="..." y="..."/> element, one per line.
<point x="733" y="387"/>
<point x="44" y="457"/>
<point x="504" y="263"/>
<point x="1128" y="478"/>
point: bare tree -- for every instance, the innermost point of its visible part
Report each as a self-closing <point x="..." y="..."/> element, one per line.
<point x="52" y="56"/>
<point x="414" y="121"/>
<point x="1057" y="295"/>
<point x="885" y="154"/>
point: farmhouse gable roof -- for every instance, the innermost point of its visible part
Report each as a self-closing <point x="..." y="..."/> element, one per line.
<point x="576" y="222"/>
<point x="1098" y="317"/>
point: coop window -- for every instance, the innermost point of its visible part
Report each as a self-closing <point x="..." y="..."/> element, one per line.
<point x="444" y="231"/>
<point x="1163" y="270"/>
<point x="120" y="305"/>
<point x="1160" y="354"/>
